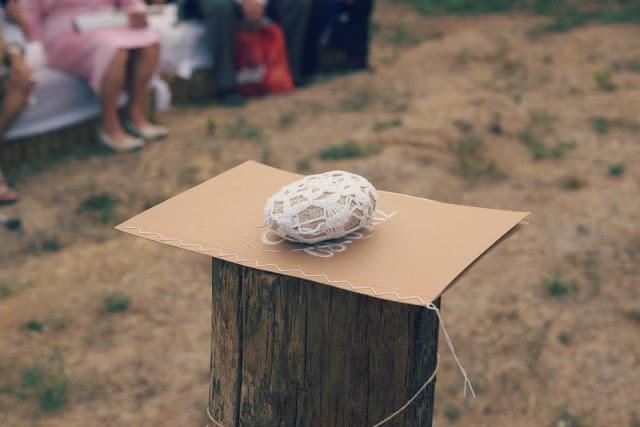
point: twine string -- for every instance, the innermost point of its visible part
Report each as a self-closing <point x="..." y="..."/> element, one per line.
<point x="414" y="397"/>
<point x="467" y="383"/>
<point x="447" y="338"/>
<point x="213" y="422"/>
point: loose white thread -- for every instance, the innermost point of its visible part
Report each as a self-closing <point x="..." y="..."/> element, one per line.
<point x="467" y="382"/>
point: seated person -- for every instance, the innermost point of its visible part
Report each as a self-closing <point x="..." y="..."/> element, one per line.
<point x="220" y="18"/>
<point x="16" y="81"/>
<point x="109" y="59"/>
<point x="342" y="25"/>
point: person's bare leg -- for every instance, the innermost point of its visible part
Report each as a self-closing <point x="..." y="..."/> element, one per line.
<point x="13" y="102"/>
<point x="112" y="86"/>
<point x="143" y="64"/>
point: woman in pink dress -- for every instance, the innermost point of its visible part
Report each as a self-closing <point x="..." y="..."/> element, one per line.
<point x="110" y="59"/>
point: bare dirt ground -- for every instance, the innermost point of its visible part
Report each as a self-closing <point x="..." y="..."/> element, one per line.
<point x="464" y="110"/>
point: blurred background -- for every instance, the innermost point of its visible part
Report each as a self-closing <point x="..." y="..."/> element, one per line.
<point x="510" y="104"/>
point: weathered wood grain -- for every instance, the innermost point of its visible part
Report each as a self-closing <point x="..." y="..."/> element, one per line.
<point x="288" y="352"/>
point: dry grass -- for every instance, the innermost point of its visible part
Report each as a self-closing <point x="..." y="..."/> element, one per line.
<point x="535" y="358"/>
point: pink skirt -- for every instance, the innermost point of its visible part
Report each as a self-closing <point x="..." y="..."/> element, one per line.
<point x="89" y="55"/>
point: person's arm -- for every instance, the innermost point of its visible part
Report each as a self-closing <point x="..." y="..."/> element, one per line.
<point x="33" y="14"/>
<point x="136" y="11"/>
<point x="17" y="15"/>
<point x="20" y="75"/>
<point x="253" y="9"/>
<point x="131" y="4"/>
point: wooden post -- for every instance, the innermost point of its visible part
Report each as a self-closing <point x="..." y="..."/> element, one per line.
<point x="289" y="352"/>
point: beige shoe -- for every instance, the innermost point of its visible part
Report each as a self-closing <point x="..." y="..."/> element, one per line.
<point x="150" y="133"/>
<point x="126" y="145"/>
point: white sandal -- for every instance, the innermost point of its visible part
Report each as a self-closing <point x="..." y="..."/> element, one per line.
<point x="150" y="133"/>
<point x="126" y="145"/>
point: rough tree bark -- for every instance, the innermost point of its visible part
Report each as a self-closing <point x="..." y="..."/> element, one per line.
<point x="289" y="352"/>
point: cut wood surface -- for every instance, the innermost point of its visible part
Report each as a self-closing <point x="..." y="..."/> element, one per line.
<point x="289" y="352"/>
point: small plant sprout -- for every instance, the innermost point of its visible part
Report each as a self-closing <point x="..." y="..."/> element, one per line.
<point x="557" y="287"/>
<point x="47" y="384"/>
<point x="348" y="150"/>
<point x="616" y="169"/>
<point x="116" y="302"/>
<point x="100" y="205"/>
<point x="211" y="126"/>
<point x="303" y="165"/>
<point x="604" y="79"/>
<point x="34" y="325"/>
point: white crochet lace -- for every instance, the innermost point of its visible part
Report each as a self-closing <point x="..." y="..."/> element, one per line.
<point x="321" y="207"/>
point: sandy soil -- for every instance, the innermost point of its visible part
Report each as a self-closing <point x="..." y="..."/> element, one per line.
<point x="429" y="110"/>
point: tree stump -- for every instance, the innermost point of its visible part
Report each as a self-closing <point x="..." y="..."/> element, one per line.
<point x="289" y="352"/>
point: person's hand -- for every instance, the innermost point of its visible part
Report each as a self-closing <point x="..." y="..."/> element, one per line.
<point x="137" y="19"/>
<point x="15" y="13"/>
<point x="20" y="75"/>
<point x="253" y="11"/>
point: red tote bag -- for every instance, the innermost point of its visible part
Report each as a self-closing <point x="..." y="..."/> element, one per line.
<point x="262" y="66"/>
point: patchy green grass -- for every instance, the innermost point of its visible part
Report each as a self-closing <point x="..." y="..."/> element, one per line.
<point x="634" y="315"/>
<point x="573" y="183"/>
<point x="495" y="126"/>
<point x="47" y="384"/>
<point x="6" y="289"/>
<point x="265" y="153"/>
<point x="464" y="7"/>
<point x="469" y="151"/>
<point x="557" y="287"/>
<point x="287" y="119"/>
<point x="212" y="126"/>
<point x="603" y="125"/>
<point x="563" y="22"/>
<point x="540" y="129"/>
<point x="564" y="338"/>
<point x="634" y="65"/>
<point x="567" y="16"/>
<point x="116" y="302"/>
<point x="566" y="418"/>
<point x="616" y="169"/>
<point x="348" y="150"/>
<point x="242" y="129"/>
<point x="451" y="413"/>
<point x="604" y="79"/>
<point x="33" y="325"/>
<point x="100" y="206"/>
<point x="401" y="36"/>
<point x="600" y="125"/>
<point x="382" y="125"/>
<point x="358" y="101"/>
<point x="51" y="245"/>
<point x="303" y="165"/>
<point x="189" y="176"/>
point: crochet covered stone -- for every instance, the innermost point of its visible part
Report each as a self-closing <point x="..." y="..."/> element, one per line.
<point x="321" y="207"/>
